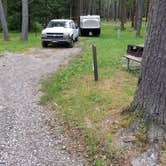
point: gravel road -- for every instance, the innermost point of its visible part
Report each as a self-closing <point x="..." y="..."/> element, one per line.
<point x="25" y="136"/>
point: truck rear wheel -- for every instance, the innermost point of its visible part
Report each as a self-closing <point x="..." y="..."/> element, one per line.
<point x="96" y="32"/>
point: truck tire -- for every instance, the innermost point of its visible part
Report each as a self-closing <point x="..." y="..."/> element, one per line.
<point x="96" y="32"/>
<point x="71" y="43"/>
<point x="76" y="39"/>
<point x="44" y="44"/>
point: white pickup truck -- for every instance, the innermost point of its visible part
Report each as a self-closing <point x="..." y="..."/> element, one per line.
<point x="60" y="31"/>
<point x="90" y="25"/>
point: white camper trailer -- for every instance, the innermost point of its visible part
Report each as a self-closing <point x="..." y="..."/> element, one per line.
<point x="90" y="25"/>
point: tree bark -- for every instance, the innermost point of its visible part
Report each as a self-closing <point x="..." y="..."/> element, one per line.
<point x="5" y="7"/>
<point x="150" y="97"/>
<point x="4" y="22"/>
<point x="25" y="21"/>
<point x="140" y="4"/>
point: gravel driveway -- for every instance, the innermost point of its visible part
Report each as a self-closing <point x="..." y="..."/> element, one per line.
<point x="25" y="136"/>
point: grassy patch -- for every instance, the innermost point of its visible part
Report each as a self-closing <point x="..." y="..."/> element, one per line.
<point x="1" y="55"/>
<point x="16" y="45"/>
<point x="95" y="107"/>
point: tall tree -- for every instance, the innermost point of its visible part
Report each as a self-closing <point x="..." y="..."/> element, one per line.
<point x="133" y="13"/>
<point x="25" y="21"/>
<point x="4" y="22"/>
<point x="140" y="5"/>
<point x="93" y="6"/>
<point x="115" y="10"/>
<point x="90" y="6"/>
<point x="150" y="97"/>
<point x="122" y="14"/>
<point x="5" y="7"/>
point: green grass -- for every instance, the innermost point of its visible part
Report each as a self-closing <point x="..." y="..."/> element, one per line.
<point x="92" y="106"/>
<point x="16" y="45"/>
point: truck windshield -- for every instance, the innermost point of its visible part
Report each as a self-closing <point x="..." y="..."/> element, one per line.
<point x="57" y="24"/>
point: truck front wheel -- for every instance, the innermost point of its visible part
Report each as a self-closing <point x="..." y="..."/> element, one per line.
<point x="44" y="44"/>
<point x="71" y="43"/>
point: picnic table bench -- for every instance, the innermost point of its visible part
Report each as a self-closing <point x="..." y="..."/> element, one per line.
<point x="134" y="53"/>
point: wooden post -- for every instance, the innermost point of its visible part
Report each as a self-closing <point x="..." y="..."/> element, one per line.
<point x="128" y="64"/>
<point x="95" y="63"/>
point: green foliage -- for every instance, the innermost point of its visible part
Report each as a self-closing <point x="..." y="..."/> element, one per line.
<point x="16" y="45"/>
<point x="99" y="163"/>
<point x="37" y="27"/>
<point x="14" y="15"/>
<point x="40" y="12"/>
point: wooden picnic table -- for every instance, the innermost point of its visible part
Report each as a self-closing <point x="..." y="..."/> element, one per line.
<point x="135" y="49"/>
<point x="134" y="53"/>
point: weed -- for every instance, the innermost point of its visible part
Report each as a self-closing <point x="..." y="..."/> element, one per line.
<point x="99" y="163"/>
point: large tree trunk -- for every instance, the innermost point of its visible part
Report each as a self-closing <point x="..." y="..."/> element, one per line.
<point x="150" y="98"/>
<point x="140" y="4"/>
<point x="25" y="18"/>
<point x="4" y="23"/>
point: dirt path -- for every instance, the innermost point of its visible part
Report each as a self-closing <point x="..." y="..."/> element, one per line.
<point x="25" y="137"/>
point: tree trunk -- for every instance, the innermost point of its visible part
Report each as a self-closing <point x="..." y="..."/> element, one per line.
<point x="90" y="7"/>
<point x="81" y="5"/>
<point x="140" y="4"/>
<point x="147" y="9"/>
<point x="122" y="13"/>
<point x="4" y="23"/>
<point x="100" y="13"/>
<point x="5" y="7"/>
<point x="93" y="7"/>
<point x="150" y="97"/>
<point x="71" y="9"/>
<point x="115" y="10"/>
<point x="25" y="18"/>
<point x="133" y="14"/>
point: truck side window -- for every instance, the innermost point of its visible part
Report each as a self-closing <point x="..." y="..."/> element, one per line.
<point x="70" y="25"/>
<point x="73" y="25"/>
